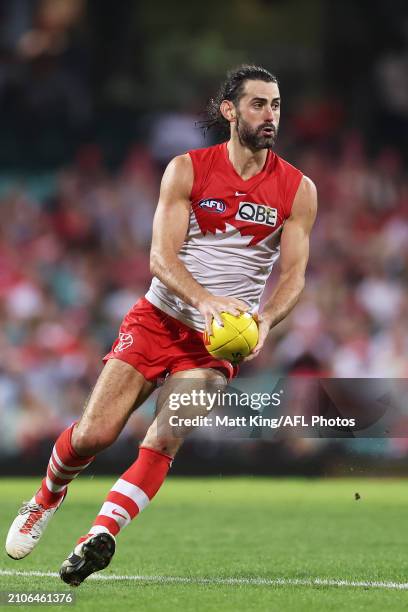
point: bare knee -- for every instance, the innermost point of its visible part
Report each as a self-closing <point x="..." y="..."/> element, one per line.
<point x="90" y="441"/>
<point x="118" y="391"/>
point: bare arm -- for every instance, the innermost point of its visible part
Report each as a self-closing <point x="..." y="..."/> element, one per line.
<point x="170" y="226"/>
<point x="293" y="260"/>
<point x="169" y="230"/>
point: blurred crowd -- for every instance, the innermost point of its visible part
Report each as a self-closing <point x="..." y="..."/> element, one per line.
<point x="70" y="267"/>
<point x="74" y="261"/>
<point x="352" y="319"/>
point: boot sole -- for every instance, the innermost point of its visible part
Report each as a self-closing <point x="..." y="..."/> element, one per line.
<point x="97" y="554"/>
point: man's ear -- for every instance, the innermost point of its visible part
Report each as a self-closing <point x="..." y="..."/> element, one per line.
<point x="227" y="109"/>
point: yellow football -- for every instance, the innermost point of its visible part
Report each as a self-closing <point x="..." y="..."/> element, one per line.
<point x="235" y="340"/>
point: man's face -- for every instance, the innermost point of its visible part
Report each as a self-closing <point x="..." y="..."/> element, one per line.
<point x="257" y="115"/>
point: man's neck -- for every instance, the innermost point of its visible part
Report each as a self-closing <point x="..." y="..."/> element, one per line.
<point x="247" y="163"/>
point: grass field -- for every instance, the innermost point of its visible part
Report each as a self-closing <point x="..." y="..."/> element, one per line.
<point x="199" y="533"/>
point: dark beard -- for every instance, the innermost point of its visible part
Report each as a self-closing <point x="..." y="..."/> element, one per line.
<point x="252" y="139"/>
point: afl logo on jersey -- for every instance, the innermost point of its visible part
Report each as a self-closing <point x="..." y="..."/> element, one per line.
<point x="214" y="205"/>
<point x="257" y="213"/>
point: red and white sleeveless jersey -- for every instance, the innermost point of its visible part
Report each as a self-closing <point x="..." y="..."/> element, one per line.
<point x="234" y="231"/>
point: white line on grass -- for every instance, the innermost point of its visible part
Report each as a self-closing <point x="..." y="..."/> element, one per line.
<point x="328" y="582"/>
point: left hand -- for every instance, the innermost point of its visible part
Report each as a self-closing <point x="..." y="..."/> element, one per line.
<point x="264" y="326"/>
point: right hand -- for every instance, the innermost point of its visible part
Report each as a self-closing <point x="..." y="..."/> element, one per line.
<point x="212" y="306"/>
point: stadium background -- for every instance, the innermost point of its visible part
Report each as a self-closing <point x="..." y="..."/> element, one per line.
<point x="94" y="104"/>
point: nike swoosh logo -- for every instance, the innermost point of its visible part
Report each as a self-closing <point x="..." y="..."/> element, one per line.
<point x="238" y="193"/>
<point x="116" y="513"/>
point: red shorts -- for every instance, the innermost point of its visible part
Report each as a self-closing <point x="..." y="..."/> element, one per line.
<point x="156" y="344"/>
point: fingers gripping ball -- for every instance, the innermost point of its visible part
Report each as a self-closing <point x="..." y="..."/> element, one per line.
<point x="235" y="340"/>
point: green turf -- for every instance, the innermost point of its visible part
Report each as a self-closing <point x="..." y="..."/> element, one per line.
<point x="225" y="527"/>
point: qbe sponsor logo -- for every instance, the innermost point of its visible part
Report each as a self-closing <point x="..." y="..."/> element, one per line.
<point x="213" y="205"/>
<point x="257" y="213"/>
<point x="125" y="340"/>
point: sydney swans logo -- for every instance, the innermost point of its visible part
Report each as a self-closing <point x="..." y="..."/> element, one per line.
<point x="125" y="340"/>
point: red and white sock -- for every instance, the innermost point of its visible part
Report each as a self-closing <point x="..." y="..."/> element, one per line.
<point x="132" y="492"/>
<point x="64" y="465"/>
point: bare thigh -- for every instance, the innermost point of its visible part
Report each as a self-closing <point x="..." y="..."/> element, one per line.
<point x="119" y="390"/>
<point x="161" y="435"/>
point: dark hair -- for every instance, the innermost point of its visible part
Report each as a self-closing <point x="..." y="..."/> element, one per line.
<point x="232" y="89"/>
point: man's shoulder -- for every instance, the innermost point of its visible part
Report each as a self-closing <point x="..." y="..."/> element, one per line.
<point x="180" y="162"/>
<point x="178" y="177"/>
